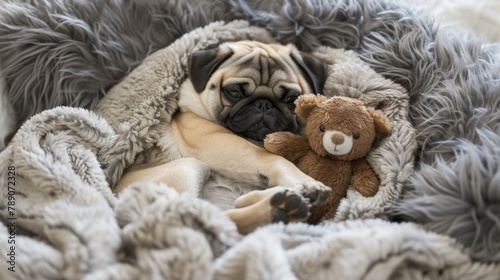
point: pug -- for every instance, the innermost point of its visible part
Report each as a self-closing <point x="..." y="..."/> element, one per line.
<point x="234" y="96"/>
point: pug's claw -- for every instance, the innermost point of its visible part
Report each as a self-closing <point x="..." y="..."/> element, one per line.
<point x="316" y="192"/>
<point x="317" y="197"/>
<point x="324" y="195"/>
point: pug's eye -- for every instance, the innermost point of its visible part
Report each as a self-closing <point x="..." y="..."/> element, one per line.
<point x="322" y="127"/>
<point x="234" y="92"/>
<point x="355" y="135"/>
<point x="289" y="95"/>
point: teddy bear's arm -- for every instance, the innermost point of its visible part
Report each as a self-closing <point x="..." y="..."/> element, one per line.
<point x="286" y="144"/>
<point x="364" y="179"/>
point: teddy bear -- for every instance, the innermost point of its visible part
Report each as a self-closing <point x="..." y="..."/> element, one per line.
<point x="339" y="133"/>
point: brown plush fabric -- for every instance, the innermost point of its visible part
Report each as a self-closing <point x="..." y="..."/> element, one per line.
<point x="345" y="115"/>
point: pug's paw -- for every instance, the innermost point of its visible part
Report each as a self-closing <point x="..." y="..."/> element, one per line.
<point x="289" y="206"/>
<point x="315" y="191"/>
<point x="277" y="204"/>
<point x="277" y="143"/>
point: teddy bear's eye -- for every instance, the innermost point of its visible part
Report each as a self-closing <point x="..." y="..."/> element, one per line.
<point x="355" y="135"/>
<point x="321" y="127"/>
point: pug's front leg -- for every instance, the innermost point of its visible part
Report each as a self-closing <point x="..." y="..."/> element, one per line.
<point x="234" y="157"/>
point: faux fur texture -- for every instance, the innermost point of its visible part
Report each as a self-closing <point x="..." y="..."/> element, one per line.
<point x="69" y="225"/>
<point x="86" y="47"/>
<point x="8" y="118"/>
<point x="69" y="52"/>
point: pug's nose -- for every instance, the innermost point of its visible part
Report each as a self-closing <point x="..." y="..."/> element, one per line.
<point x="263" y="104"/>
<point x="337" y="139"/>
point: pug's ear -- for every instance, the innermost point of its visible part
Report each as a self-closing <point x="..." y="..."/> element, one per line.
<point x="202" y="64"/>
<point x="313" y="69"/>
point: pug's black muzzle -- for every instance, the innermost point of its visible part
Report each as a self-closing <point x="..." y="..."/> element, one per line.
<point x="260" y="118"/>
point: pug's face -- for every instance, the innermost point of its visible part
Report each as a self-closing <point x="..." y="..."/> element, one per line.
<point x="250" y="87"/>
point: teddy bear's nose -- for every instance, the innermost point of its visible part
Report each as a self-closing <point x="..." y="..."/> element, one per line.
<point x="337" y="139"/>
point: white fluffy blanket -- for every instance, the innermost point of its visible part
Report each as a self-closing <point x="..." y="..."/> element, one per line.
<point x="66" y="223"/>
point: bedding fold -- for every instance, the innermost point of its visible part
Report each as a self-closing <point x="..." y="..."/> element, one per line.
<point x="439" y="169"/>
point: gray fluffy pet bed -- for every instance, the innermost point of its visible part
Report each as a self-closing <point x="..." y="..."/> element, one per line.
<point x="71" y="226"/>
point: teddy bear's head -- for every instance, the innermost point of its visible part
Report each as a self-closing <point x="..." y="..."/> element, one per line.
<point x="340" y="126"/>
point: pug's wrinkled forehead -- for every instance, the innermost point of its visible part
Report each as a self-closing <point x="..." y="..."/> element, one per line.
<point x="264" y="68"/>
<point x="261" y="67"/>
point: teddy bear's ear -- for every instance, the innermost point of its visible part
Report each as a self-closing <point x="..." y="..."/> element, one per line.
<point x="382" y="123"/>
<point x="306" y="103"/>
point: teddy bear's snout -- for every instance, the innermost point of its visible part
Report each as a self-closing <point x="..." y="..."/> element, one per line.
<point x="337" y="139"/>
<point x="337" y="143"/>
